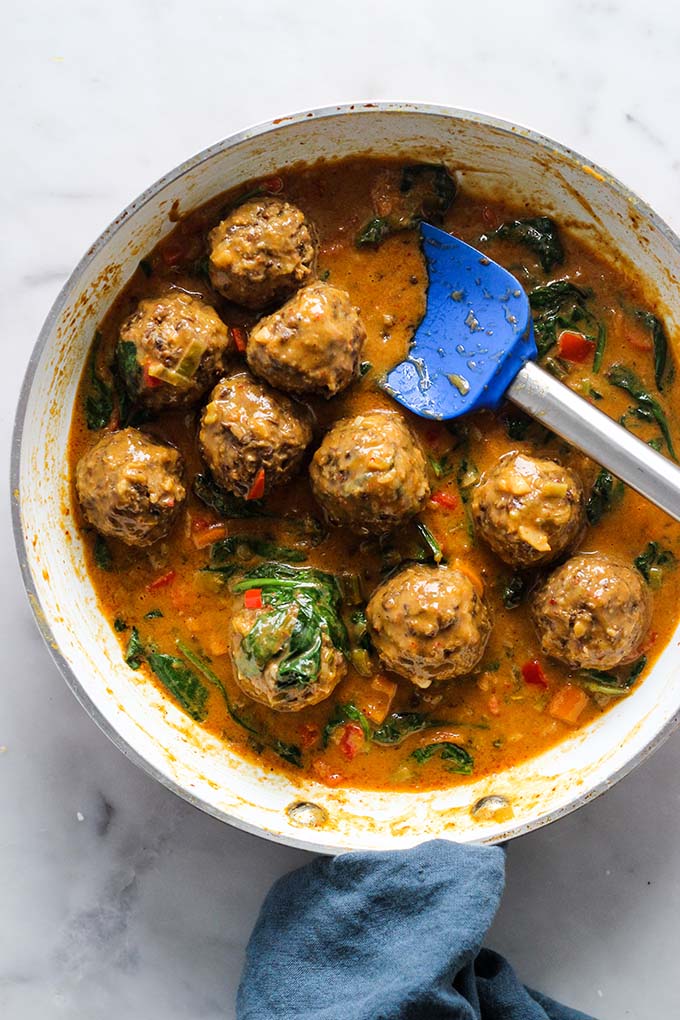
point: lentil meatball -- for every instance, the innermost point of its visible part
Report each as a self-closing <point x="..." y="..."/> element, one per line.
<point x="130" y="487"/>
<point x="261" y="253"/>
<point x="171" y="350"/>
<point x="529" y="510"/>
<point x="370" y="472"/>
<point x="311" y="345"/>
<point x="246" y="427"/>
<point x="263" y="683"/>
<point x="429" y="623"/>
<point x="592" y="612"/>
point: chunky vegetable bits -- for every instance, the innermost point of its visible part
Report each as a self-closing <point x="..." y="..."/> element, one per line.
<point x="325" y="582"/>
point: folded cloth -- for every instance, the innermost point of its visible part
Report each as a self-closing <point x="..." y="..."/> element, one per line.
<point x="387" y="936"/>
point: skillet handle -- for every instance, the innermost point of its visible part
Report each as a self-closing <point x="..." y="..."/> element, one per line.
<point x="560" y="409"/>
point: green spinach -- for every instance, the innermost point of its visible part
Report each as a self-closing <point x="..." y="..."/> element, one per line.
<point x="514" y="591"/>
<point x="102" y="554"/>
<point x="430" y="543"/>
<point x="425" y="193"/>
<point x="224" y="503"/>
<point x="343" y="714"/>
<point x="598" y="681"/>
<point x="561" y="305"/>
<point x="463" y="763"/>
<point x="539" y="234"/>
<point x="660" y="346"/>
<point x="301" y="605"/>
<point x="99" y="395"/>
<point x="227" y="549"/>
<point x="181" y="682"/>
<point x="398" y="726"/>
<point x="134" y="653"/>
<point x="606" y="492"/>
<point x="625" y="379"/>
<point x="652" y="562"/>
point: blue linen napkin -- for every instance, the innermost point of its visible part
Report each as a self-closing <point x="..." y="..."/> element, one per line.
<point x="387" y="936"/>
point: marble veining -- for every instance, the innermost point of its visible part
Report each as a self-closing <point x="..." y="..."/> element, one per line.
<point x="116" y="898"/>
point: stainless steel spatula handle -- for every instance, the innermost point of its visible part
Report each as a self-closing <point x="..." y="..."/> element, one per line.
<point x="574" y="419"/>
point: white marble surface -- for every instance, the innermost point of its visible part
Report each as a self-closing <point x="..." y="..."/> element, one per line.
<point x="116" y="898"/>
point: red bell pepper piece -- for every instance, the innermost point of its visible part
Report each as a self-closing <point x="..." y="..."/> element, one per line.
<point x="240" y="338"/>
<point x="352" y="740"/>
<point x="256" y="490"/>
<point x="532" y="672"/>
<point x="445" y="500"/>
<point x="253" y="598"/>
<point x="163" y="581"/>
<point x="149" y="382"/>
<point x="573" y="346"/>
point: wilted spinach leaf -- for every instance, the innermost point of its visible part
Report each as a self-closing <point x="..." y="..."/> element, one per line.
<point x="463" y="763"/>
<point x="134" y="653"/>
<point x="625" y="379"/>
<point x="102" y="554"/>
<point x="99" y="395"/>
<point x="181" y="682"/>
<point x="660" y="342"/>
<point x="224" y="503"/>
<point x="539" y="234"/>
<point x="343" y="714"/>
<point x="400" y="725"/>
<point x="598" y="681"/>
<point x="605" y="493"/>
<point x="652" y="562"/>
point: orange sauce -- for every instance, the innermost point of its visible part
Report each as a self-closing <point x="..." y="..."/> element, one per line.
<point x="494" y="714"/>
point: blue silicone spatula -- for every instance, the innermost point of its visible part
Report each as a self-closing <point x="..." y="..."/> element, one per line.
<point x="475" y="347"/>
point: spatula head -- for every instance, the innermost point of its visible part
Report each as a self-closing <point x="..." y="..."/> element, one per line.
<point x="476" y="334"/>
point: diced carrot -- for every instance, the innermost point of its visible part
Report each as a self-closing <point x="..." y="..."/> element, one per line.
<point x="240" y="338"/>
<point x="638" y="337"/>
<point x="568" y="703"/>
<point x="256" y="490"/>
<point x="149" y="382"/>
<point x="309" y="734"/>
<point x="573" y="346"/>
<point x="352" y="740"/>
<point x="445" y="500"/>
<point x="533" y="673"/>
<point x="325" y="774"/>
<point x="253" y="598"/>
<point x="471" y="574"/>
<point x="376" y="699"/>
<point x="172" y="254"/>
<point x="163" y="581"/>
<point x="202" y="537"/>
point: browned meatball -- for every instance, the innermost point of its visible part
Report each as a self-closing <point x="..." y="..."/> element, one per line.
<point x="311" y="345"/>
<point x="247" y="427"/>
<point x="429" y="623"/>
<point x="262" y="682"/>
<point x="130" y="486"/>
<point x="529" y="510"/>
<point x="172" y="350"/>
<point x="261" y="252"/>
<point x="370" y="472"/>
<point x="592" y="613"/>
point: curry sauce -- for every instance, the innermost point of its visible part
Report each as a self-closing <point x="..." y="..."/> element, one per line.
<point x="513" y="705"/>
